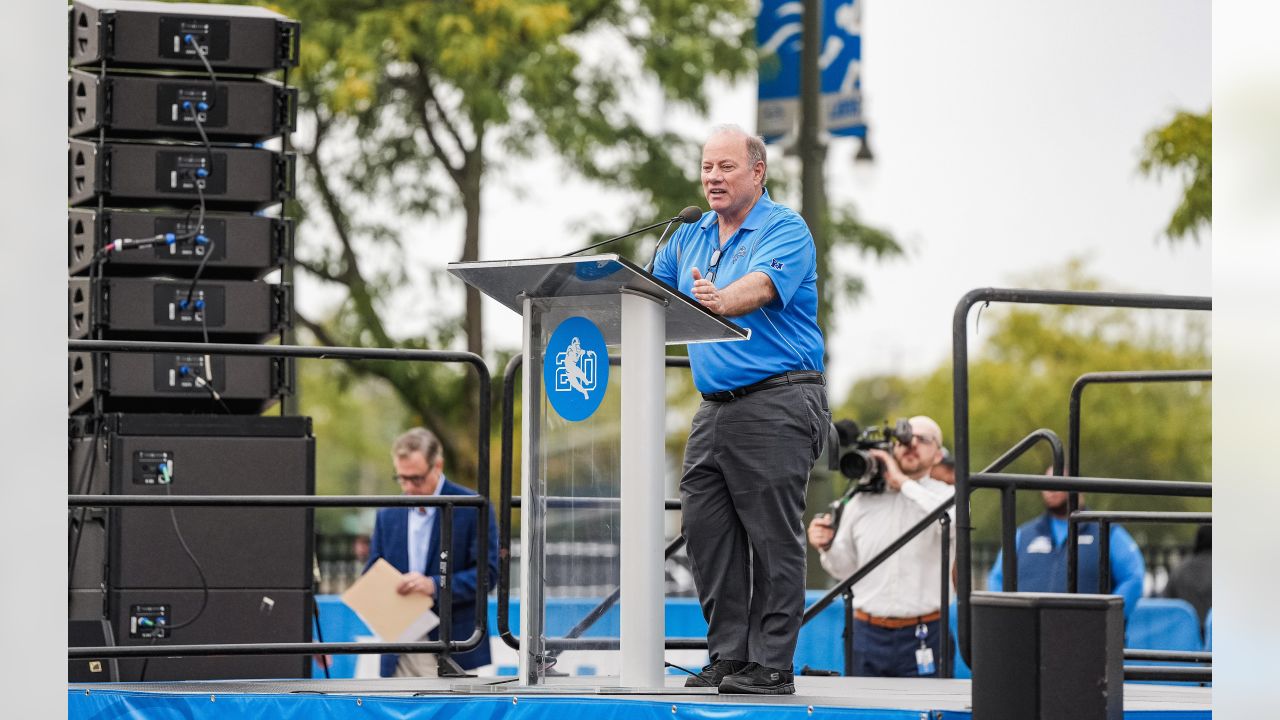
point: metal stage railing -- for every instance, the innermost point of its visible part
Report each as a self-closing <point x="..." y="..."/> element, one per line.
<point x="445" y="645"/>
<point x="1065" y="470"/>
<point x="1008" y="483"/>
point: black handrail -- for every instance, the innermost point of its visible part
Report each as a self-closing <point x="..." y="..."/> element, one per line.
<point x="1074" y="418"/>
<point x="1115" y="486"/>
<point x="1104" y="519"/>
<point x="960" y="400"/>
<point x="1166" y="672"/>
<point x="1169" y="656"/>
<point x="1142" y="516"/>
<point x="479" y="501"/>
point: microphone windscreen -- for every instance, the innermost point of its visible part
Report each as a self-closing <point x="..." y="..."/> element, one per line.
<point x="691" y="214"/>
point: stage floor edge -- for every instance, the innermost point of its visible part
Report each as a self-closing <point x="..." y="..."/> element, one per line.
<point x="834" y="697"/>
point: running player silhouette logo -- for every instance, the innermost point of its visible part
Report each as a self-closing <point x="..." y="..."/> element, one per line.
<point x="575" y="368"/>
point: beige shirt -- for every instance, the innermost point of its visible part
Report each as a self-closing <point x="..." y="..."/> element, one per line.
<point x="908" y="584"/>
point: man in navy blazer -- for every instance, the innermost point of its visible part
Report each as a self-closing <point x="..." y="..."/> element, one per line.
<point x="409" y="539"/>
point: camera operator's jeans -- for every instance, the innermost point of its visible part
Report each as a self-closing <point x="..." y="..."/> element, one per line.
<point x="745" y="470"/>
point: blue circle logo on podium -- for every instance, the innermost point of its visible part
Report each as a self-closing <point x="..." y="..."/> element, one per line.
<point x="575" y="369"/>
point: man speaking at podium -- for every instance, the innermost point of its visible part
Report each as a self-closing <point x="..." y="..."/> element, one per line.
<point x="763" y="418"/>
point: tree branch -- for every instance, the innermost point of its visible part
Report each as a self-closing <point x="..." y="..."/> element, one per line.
<point x="407" y="388"/>
<point x="427" y="86"/>
<point x="351" y="275"/>
<point x="319" y="270"/>
<point x="590" y="16"/>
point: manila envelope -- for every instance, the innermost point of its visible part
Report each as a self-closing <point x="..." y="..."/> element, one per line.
<point x="391" y="616"/>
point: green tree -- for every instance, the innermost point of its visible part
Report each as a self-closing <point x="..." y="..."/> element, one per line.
<point x="1020" y="376"/>
<point x="1184" y="147"/>
<point x="409" y="108"/>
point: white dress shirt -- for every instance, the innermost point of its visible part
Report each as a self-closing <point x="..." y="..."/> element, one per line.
<point x="420" y="525"/>
<point x="908" y="584"/>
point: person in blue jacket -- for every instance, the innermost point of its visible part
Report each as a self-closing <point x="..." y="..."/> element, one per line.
<point x="409" y="539"/>
<point x="1042" y="556"/>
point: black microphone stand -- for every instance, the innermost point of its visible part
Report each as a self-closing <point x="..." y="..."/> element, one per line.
<point x="623" y="237"/>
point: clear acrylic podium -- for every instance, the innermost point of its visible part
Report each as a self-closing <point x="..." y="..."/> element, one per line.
<point x="640" y="315"/>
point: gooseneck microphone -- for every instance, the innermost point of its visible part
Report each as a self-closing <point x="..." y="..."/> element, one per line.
<point x="691" y="214"/>
<point x="687" y="215"/>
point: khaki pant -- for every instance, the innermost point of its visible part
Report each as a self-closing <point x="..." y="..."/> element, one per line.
<point x="417" y="665"/>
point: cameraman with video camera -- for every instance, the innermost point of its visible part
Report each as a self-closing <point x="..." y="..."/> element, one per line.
<point x="896" y="616"/>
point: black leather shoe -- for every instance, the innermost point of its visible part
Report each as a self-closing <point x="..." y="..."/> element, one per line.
<point x="756" y="679"/>
<point x="712" y="674"/>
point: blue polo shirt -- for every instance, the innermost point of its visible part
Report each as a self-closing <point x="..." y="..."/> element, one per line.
<point x="785" y="336"/>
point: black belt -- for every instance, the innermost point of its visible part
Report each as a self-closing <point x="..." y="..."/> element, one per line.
<point x="795" y="377"/>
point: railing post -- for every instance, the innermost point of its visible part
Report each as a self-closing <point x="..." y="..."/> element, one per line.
<point x="1008" y="537"/>
<point x="944" y="607"/>
<point x="848" y="632"/>
<point x="1073" y="544"/>
<point x="1104" y="557"/>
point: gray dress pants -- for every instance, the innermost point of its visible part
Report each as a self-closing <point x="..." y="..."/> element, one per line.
<point x="746" y="467"/>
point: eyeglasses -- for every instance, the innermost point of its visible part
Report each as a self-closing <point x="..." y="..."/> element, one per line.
<point x="414" y="480"/>
<point x="711" y="267"/>
<point x="920" y="440"/>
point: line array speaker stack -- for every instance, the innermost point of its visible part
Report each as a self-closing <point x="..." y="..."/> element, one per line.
<point x="179" y="162"/>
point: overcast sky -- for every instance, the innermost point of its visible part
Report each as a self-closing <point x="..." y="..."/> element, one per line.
<point x="1006" y="135"/>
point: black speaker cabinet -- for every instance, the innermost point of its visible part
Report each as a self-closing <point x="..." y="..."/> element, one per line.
<point x="236" y="547"/>
<point x="159" y="617"/>
<point x="171" y="309"/>
<point x="1048" y="656"/>
<point x="154" y="35"/>
<point x="156" y="382"/>
<point x="138" y="174"/>
<point x="91" y="633"/>
<point x="150" y="106"/>
<point x="240" y="245"/>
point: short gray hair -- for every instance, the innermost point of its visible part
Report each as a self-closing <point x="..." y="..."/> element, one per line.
<point x="756" y="151"/>
<point x="414" y="440"/>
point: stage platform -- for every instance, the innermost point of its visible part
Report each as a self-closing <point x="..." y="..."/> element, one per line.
<point x="490" y="699"/>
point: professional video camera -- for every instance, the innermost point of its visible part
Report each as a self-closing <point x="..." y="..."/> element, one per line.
<point x="865" y="472"/>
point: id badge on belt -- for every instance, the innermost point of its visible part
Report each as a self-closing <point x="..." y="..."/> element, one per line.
<point x="924" y="654"/>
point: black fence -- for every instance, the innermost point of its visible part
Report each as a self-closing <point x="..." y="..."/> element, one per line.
<point x="340" y="556"/>
<point x="1010" y="483"/>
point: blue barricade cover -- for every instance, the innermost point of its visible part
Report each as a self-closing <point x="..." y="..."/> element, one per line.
<point x="122" y="705"/>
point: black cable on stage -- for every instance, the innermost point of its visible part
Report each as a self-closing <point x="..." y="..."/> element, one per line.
<point x="208" y="147"/>
<point x="208" y="250"/>
<point x="142" y="674"/>
<point x="186" y="549"/>
<point x="315" y="611"/>
<point x="191" y="40"/>
<point x="204" y="331"/>
<point x="194" y="230"/>
<point x="208" y="386"/>
<point x="681" y="669"/>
